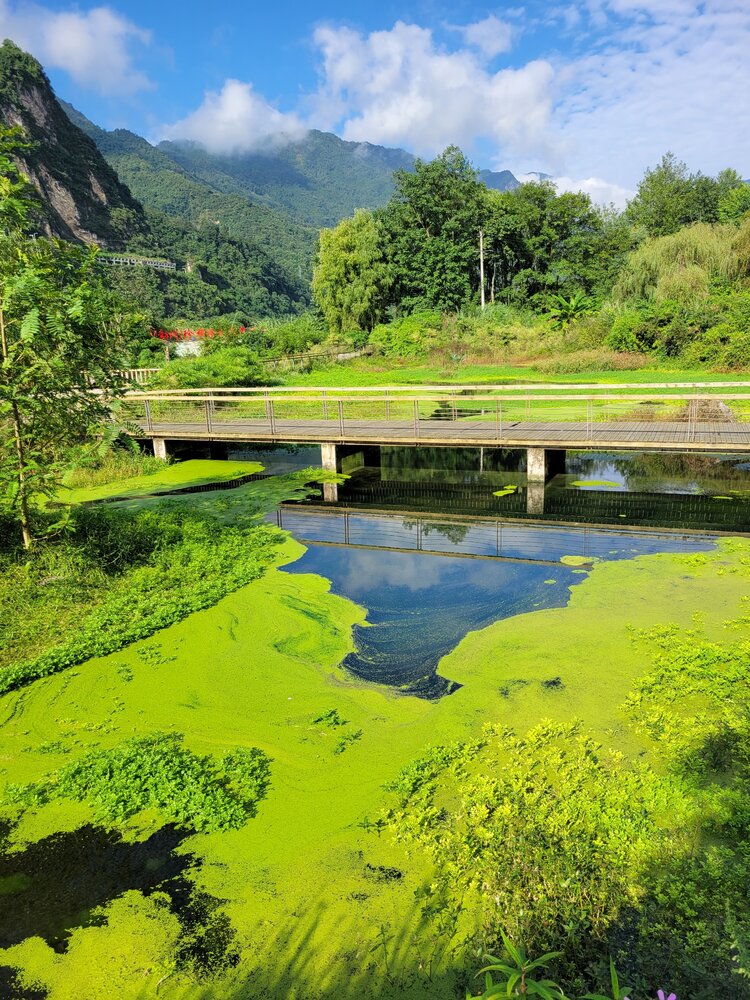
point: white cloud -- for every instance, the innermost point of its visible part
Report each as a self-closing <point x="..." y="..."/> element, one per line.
<point x="234" y="120"/>
<point x="491" y="36"/>
<point x="666" y="74"/>
<point x="95" y="47"/>
<point x="399" y="87"/>
<point x="600" y="191"/>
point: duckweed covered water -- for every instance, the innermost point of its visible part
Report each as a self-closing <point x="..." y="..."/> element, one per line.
<point x="304" y="887"/>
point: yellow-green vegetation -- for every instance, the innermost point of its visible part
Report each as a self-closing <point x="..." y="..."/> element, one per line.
<point x="316" y="897"/>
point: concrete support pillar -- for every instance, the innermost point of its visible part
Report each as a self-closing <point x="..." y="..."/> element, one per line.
<point x="535" y="498"/>
<point x="160" y="448"/>
<point x="328" y="461"/>
<point x="536" y="465"/>
<point x="543" y="463"/>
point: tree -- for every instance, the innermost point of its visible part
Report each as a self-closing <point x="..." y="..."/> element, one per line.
<point x="432" y="232"/>
<point x="59" y="334"/>
<point x="668" y="197"/>
<point x="351" y="276"/>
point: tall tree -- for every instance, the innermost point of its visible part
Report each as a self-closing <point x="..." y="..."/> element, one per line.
<point x="432" y="232"/>
<point x="351" y="276"/>
<point x="58" y="335"/>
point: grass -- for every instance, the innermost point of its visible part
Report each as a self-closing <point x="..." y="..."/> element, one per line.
<point x="378" y="371"/>
<point x="305" y="885"/>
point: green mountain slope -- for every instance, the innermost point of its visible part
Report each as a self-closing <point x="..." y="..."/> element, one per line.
<point x="319" y="179"/>
<point x="83" y="199"/>
<point x="163" y="185"/>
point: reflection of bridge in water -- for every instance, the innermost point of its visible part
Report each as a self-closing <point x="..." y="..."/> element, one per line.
<point x="533" y="543"/>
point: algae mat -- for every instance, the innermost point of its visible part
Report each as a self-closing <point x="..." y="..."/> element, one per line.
<point x="306" y="886"/>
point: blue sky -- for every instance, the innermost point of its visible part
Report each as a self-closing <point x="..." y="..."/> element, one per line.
<point x="591" y="91"/>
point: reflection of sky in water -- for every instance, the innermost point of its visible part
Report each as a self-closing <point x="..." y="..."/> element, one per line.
<point x="420" y="604"/>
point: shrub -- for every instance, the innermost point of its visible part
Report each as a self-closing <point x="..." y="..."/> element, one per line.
<point x="223" y="368"/>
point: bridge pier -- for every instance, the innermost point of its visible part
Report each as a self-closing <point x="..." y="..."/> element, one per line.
<point x="160" y="448"/>
<point x="328" y="461"/>
<point x="543" y="463"/>
<point x="535" y="498"/>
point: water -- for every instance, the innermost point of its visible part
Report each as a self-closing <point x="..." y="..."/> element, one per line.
<point x="700" y="492"/>
<point x="427" y="582"/>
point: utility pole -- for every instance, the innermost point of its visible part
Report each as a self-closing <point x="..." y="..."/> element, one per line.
<point x="481" y="266"/>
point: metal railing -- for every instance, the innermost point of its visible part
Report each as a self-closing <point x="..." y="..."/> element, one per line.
<point x="633" y="413"/>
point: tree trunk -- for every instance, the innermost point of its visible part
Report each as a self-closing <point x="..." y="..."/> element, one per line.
<point x="21" y="475"/>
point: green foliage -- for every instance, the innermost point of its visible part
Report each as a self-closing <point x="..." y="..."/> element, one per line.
<point x="734" y="203"/>
<point x="158" y="772"/>
<point x="222" y="367"/>
<point x="516" y="974"/>
<point x="431" y="233"/>
<point x="60" y="332"/>
<point x="564" y="829"/>
<point x="564" y="310"/>
<point x="680" y="266"/>
<point x="351" y="277"/>
<point x="408" y="337"/>
<point x="669" y="198"/>
<point x="129" y="573"/>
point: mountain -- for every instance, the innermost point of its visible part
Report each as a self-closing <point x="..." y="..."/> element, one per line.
<point x="499" y="180"/>
<point x="319" y="179"/>
<point x="163" y="185"/>
<point x="84" y="200"/>
<point x="82" y="197"/>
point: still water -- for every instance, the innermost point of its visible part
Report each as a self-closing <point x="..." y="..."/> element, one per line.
<point x="420" y="539"/>
<point x="427" y="582"/>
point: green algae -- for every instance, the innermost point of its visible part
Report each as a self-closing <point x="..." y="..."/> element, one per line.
<point x="588" y="483"/>
<point x="261" y="668"/>
<point x="505" y="491"/>
<point x="578" y="560"/>
<point x="194" y="472"/>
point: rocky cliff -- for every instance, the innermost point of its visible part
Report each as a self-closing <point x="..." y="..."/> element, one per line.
<point x="82" y="197"/>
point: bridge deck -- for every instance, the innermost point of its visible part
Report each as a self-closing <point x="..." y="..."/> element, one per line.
<point x="642" y="435"/>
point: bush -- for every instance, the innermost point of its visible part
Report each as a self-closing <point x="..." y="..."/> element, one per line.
<point x="222" y="368"/>
<point x="622" y="335"/>
<point x="409" y="337"/>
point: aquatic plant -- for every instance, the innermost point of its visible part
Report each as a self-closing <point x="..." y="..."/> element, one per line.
<point x="158" y="772"/>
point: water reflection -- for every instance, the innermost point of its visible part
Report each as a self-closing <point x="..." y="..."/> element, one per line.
<point x="427" y="582"/>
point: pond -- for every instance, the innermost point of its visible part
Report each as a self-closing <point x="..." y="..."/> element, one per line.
<point x="426" y="582"/>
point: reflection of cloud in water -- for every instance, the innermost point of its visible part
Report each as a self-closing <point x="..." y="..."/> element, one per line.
<point x="367" y="570"/>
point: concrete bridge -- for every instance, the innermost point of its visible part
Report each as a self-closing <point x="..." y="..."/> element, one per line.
<point x="543" y="420"/>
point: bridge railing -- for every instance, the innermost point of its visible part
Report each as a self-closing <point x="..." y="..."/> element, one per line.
<point x="416" y="412"/>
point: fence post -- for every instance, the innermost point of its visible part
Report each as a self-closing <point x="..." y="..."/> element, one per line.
<point x="149" y="421"/>
<point x="271" y="416"/>
<point x="341" y="418"/>
<point x="325" y="405"/>
<point x="387" y="405"/>
<point x="589" y="418"/>
<point x="416" y="418"/>
<point x="207" y="406"/>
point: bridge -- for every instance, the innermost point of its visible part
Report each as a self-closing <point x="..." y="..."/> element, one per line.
<point x="544" y="420"/>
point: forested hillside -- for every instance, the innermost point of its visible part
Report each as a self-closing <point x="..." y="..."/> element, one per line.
<point x="255" y="268"/>
<point x="163" y="185"/>
<point x="318" y="179"/>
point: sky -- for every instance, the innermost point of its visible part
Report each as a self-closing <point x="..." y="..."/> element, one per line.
<point x="592" y="92"/>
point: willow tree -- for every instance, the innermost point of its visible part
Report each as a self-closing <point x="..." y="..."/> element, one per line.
<point x="351" y="277"/>
<point x="57" y="340"/>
